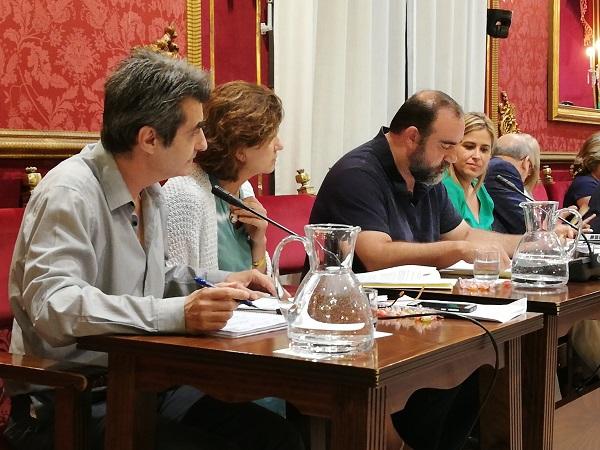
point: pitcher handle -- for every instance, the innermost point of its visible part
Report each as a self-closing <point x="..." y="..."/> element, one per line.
<point x="275" y="273"/>
<point x="571" y="248"/>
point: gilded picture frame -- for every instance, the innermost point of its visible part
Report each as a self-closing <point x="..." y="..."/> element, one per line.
<point x="32" y="144"/>
<point x="556" y="111"/>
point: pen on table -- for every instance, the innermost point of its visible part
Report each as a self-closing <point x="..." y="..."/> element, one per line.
<point x="203" y="283"/>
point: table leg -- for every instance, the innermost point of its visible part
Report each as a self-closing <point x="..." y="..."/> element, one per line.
<point x="361" y="421"/>
<point x="131" y="414"/>
<point x="501" y="420"/>
<point x="539" y="373"/>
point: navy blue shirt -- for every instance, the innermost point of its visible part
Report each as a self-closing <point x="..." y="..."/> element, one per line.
<point x="508" y="215"/>
<point x="582" y="186"/>
<point x="364" y="188"/>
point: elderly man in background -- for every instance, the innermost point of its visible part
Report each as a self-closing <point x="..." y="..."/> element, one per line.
<point x="516" y="157"/>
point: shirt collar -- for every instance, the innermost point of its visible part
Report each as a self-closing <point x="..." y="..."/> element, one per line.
<point x="383" y="153"/>
<point x="104" y="167"/>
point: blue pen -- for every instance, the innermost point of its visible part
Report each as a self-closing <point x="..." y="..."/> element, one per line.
<point x="203" y="283"/>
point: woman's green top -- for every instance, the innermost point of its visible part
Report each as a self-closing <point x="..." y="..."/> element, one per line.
<point x="233" y="245"/>
<point x="457" y="197"/>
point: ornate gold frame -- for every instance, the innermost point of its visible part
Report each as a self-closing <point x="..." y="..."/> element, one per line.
<point x="31" y="144"/>
<point x="491" y="74"/>
<point x="555" y="111"/>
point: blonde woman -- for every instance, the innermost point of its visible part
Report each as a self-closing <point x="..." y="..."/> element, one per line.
<point x="587" y="174"/>
<point x="464" y="178"/>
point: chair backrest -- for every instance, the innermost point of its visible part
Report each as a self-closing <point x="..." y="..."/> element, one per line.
<point x="556" y="184"/>
<point x="292" y="211"/>
<point x="10" y="222"/>
<point x="539" y="192"/>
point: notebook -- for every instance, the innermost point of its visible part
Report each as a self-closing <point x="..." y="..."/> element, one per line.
<point x="244" y="323"/>
<point x="406" y="277"/>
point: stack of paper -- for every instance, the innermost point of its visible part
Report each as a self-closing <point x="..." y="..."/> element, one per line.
<point x="406" y="277"/>
<point x="244" y="323"/>
<point x="499" y="313"/>
<point x="263" y="304"/>
<point x="465" y="268"/>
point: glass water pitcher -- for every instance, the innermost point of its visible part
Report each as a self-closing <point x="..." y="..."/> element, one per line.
<point x="329" y="313"/>
<point x="541" y="259"/>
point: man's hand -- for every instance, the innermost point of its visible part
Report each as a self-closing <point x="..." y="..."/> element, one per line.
<point x="470" y="247"/>
<point x="209" y="309"/>
<point x="253" y="279"/>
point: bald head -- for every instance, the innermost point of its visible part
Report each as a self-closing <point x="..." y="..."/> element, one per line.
<point x="421" y="110"/>
<point x="517" y="146"/>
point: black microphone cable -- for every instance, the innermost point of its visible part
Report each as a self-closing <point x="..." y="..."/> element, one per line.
<point x="488" y="392"/>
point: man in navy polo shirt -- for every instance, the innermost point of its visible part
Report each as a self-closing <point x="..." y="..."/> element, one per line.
<point x="390" y="187"/>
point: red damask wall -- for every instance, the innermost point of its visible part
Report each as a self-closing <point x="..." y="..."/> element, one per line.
<point x="55" y="55"/>
<point x="523" y="75"/>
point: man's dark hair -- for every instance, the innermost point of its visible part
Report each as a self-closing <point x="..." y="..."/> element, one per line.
<point x="421" y="110"/>
<point x="146" y="89"/>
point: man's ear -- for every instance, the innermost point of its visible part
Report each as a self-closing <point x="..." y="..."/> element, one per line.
<point x="412" y="136"/>
<point x="147" y="139"/>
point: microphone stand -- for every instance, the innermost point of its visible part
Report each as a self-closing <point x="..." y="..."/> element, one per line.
<point x="509" y="184"/>
<point x="218" y="191"/>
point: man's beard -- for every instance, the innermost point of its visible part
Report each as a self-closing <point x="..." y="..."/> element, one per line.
<point x="421" y="171"/>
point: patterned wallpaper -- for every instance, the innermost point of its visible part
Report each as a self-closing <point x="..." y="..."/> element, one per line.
<point x="522" y="74"/>
<point x="55" y="55"/>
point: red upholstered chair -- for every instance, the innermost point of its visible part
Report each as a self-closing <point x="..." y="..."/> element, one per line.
<point x="539" y="192"/>
<point x="556" y="183"/>
<point x="293" y="212"/>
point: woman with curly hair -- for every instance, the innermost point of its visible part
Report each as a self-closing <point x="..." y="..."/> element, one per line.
<point x="241" y="122"/>
<point x="586" y="170"/>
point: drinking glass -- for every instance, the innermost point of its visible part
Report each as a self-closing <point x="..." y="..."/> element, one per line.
<point x="372" y="297"/>
<point x="486" y="266"/>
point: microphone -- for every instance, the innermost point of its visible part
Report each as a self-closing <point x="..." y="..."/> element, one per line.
<point x="509" y="184"/>
<point x="218" y="191"/>
<point x="580" y="269"/>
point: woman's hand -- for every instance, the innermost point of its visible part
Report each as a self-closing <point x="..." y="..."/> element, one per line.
<point x="254" y="225"/>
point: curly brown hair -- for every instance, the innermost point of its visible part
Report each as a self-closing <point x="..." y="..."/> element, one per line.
<point x="237" y="115"/>
<point x="588" y="157"/>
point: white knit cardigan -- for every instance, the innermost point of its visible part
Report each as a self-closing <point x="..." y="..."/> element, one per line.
<point x="192" y="220"/>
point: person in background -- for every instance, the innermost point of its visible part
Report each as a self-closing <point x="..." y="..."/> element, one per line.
<point x="241" y="126"/>
<point x="390" y="187"/>
<point x="464" y="178"/>
<point x="90" y="259"/>
<point x="586" y="172"/>
<point x="516" y="157"/>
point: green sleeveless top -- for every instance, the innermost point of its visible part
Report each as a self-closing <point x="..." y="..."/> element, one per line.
<point x="457" y="197"/>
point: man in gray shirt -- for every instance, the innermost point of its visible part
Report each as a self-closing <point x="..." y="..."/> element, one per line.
<point x="90" y="259"/>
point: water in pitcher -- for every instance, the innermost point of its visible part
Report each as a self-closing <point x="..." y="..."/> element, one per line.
<point x="330" y="313"/>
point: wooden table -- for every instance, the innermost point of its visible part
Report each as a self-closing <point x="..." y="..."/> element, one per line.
<point x="562" y="308"/>
<point x="355" y="393"/>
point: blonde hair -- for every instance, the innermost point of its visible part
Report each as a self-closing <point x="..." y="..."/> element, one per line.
<point x="475" y="121"/>
<point x="588" y="157"/>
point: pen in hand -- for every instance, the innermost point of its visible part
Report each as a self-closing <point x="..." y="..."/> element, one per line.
<point x="203" y="284"/>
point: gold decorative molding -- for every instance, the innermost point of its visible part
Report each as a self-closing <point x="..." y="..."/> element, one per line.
<point x="211" y="16"/>
<point x="31" y="144"/>
<point x="194" y="32"/>
<point x="491" y="73"/>
<point x="258" y="36"/>
<point x="556" y="157"/>
<point x="507" y="116"/>
<point x="556" y="111"/>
